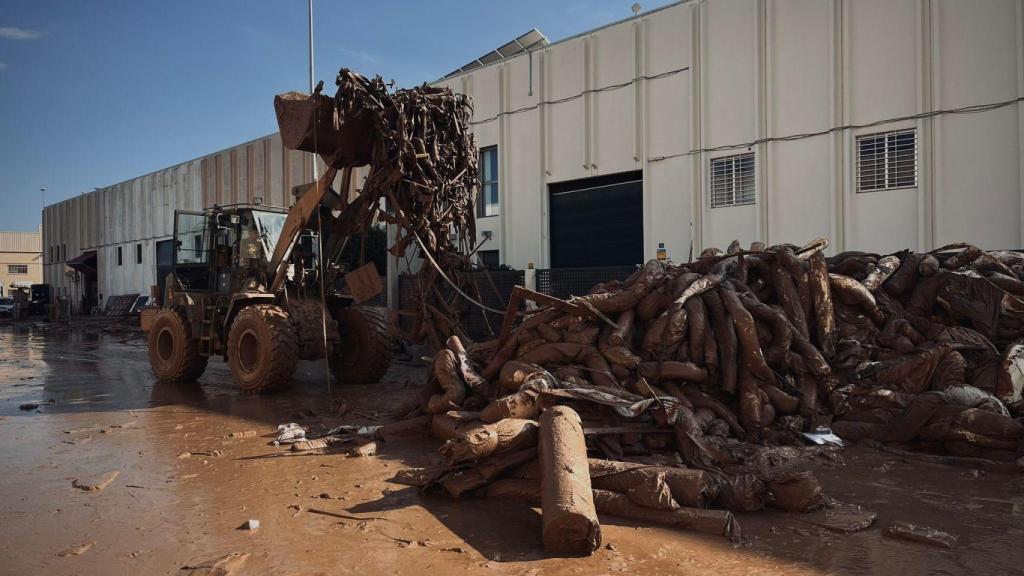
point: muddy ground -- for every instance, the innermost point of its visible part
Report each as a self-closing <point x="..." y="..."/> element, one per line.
<point x="167" y="509"/>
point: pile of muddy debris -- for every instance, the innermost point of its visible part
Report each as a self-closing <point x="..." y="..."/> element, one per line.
<point x="689" y="391"/>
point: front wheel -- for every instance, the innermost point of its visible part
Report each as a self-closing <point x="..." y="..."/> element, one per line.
<point x="364" y="353"/>
<point x="263" y="348"/>
<point x="173" y="353"/>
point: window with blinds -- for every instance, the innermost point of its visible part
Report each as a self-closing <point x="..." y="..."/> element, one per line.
<point x="887" y="160"/>
<point x="488" y="205"/>
<point x="732" y="180"/>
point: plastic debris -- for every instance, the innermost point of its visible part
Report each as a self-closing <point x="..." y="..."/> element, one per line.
<point x="289" y="433"/>
<point x="823" y="435"/>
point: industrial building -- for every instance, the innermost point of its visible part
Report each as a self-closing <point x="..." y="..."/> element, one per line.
<point x="880" y="124"/>
<point x="21" y="261"/>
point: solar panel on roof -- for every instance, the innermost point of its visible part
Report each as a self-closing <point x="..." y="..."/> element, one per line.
<point x="530" y="40"/>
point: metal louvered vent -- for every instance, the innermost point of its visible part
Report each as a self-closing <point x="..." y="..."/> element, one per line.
<point x="887" y="160"/>
<point x="732" y="180"/>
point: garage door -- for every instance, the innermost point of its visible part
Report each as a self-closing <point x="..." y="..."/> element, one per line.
<point x="597" y="221"/>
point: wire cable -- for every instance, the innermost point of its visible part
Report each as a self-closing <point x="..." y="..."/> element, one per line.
<point x="323" y="277"/>
<point x="437" y="267"/>
<point x="973" y="109"/>
<point x="581" y="95"/>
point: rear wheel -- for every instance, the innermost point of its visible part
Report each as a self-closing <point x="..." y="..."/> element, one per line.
<point x="263" y="348"/>
<point x="173" y="354"/>
<point x="364" y="353"/>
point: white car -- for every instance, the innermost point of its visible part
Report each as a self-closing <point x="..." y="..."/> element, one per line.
<point x="6" y="306"/>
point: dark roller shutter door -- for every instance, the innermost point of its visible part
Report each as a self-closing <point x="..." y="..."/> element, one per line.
<point x="597" y="221"/>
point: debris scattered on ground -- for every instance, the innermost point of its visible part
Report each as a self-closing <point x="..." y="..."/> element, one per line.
<point x="922" y="534"/>
<point x="289" y="434"/>
<point x="823" y="435"/>
<point x="244" y="434"/>
<point x="222" y="566"/>
<point x="364" y="451"/>
<point x="318" y="443"/>
<point x="97" y="483"/>
<point x="78" y="550"/>
<point x="251" y="524"/>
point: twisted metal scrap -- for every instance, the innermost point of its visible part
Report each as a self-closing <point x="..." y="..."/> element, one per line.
<point x="424" y="159"/>
<point x="424" y="164"/>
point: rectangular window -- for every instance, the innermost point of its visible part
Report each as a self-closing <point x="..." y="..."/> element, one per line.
<point x="887" y="160"/>
<point x="732" y="180"/>
<point x="138" y="253"/>
<point x="191" y="230"/>
<point x="119" y="260"/>
<point x="17" y="268"/>
<point x="488" y="182"/>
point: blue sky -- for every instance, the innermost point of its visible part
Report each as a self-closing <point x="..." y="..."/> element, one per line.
<point x="94" y="93"/>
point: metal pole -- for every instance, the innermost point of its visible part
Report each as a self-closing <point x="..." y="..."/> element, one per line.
<point x="311" y="71"/>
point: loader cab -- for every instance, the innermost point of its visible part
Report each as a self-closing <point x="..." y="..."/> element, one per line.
<point x="192" y="250"/>
<point x="224" y="250"/>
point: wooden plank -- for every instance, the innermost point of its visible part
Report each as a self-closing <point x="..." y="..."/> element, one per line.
<point x="364" y="283"/>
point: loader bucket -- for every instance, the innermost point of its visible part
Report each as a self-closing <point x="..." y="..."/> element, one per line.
<point x="308" y="124"/>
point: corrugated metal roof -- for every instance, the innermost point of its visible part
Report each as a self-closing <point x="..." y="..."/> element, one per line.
<point x="21" y="242"/>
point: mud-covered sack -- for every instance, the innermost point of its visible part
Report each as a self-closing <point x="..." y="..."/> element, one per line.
<point x="719" y="522"/>
<point x="654" y="486"/>
<point x="444" y="427"/>
<point x="524" y="490"/>
<point x="1010" y="380"/>
<point x="795" y="492"/>
<point x="742" y="493"/>
<point x="460" y="480"/>
<point x="490" y="439"/>
<point x="514" y="374"/>
<point x="446" y="371"/>
<point x="569" y="522"/>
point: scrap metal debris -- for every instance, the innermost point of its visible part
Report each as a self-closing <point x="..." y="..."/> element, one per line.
<point x="422" y="170"/>
<point x="724" y="368"/>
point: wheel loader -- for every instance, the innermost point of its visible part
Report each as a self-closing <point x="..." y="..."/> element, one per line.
<point x="263" y="287"/>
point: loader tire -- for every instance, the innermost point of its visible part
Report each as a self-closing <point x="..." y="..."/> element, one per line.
<point x="363" y="354"/>
<point x="173" y="353"/>
<point x="263" y="348"/>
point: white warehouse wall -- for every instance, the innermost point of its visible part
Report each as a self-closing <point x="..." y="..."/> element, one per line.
<point x="141" y="211"/>
<point x="756" y="72"/>
<point x="664" y="93"/>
